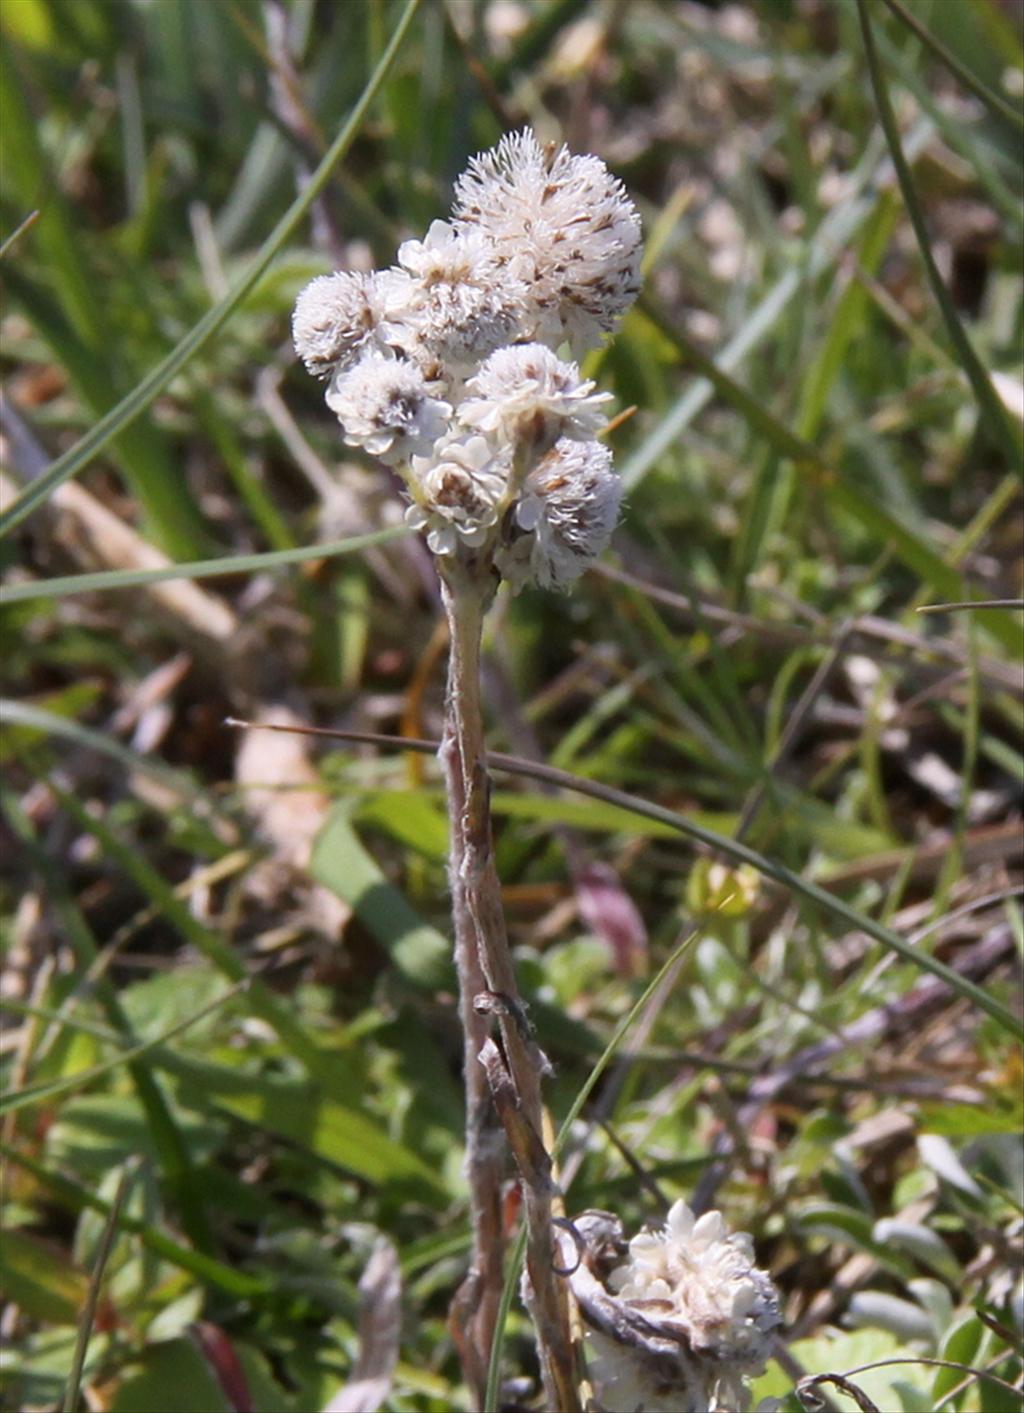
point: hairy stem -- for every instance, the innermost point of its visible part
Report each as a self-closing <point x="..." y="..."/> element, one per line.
<point x="475" y="1311"/>
<point x="502" y="1081"/>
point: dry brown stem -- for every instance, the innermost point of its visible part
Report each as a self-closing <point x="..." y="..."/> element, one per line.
<point x="502" y="1082"/>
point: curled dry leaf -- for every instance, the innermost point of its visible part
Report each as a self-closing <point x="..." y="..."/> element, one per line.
<point x="380" y="1324"/>
<point x="282" y="794"/>
<point x="607" y="908"/>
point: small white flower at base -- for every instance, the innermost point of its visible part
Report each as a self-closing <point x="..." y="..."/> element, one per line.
<point x="528" y="393"/>
<point x="567" y="511"/>
<point x="682" y="1324"/>
<point x="384" y="406"/>
<point x="564" y="227"/>
<point x="460" y="489"/>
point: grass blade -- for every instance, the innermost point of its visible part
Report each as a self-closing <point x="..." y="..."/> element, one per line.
<point x="837" y="228"/>
<point x="78" y="1197"/>
<point x="169" y="1142"/>
<point x="151" y="386"/>
<point x="992" y="100"/>
<point x="69" y="1403"/>
<point x="920" y="557"/>
<point x="197" y="569"/>
<point x="989" y="405"/>
<point x="17" y="1099"/>
<point x="732" y="848"/>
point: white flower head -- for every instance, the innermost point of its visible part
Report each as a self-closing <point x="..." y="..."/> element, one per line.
<point x="444" y="256"/>
<point x="565" y="516"/>
<point x="336" y="317"/>
<point x="527" y="393"/>
<point x="385" y="406"/>
<point x="459" y="488"/>
<point x="683" y="1322"/>
<point x="563" y="226"/>
<point x="449" y="302"/>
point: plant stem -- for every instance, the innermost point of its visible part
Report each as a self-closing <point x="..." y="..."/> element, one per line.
<point x="501" y="1081"/>
<point x="475" y="1310"/>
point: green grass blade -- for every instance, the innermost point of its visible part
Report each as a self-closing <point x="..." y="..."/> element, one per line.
<point x="78" y="1197"/>
<point x="837" y="228"/>
<point x="792" y="882"/>
<point x="732" y="848"/>
<point x="35" y="718"/>
<point x="276" y="1013"/>
<point x="995" y="102"/>
<point x="141" y="450"/>
<point x="874" y="517"/>
<point x="197" y="569"/>
<point x="168" y="1140"/>
<point x="17" y="1099"/>
<point x="991" y="409"/>
<point x="69" y="1403"/>
<point x="19" y="230"/>
<point x="141" y="396"/>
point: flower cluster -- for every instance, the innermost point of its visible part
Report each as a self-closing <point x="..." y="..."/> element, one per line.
<point x="447" y="366"/>
<point x="682" y="1322"/>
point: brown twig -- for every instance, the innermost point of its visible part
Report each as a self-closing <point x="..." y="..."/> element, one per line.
<point x="505" y="1081"/>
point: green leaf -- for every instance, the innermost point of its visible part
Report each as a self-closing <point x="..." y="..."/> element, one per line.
<point x="607" y="819"/>
<point x="76" y="1196"/>
<point x="972" y="1121"/>
<point x="173" y="1378"/>
<point x="341" y="863"/>
<point x="334" y="1132"/>
<point x="39" y="1280"/>
<point x="409" y="816"/>
<point x="960" y="1346"/>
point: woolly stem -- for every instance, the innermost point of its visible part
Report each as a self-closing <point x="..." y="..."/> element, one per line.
<point x="502" y="1080"/>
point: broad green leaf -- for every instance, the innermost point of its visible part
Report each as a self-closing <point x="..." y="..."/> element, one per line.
<point x="341" y="863"/>
<point x="971" y="1121"/>
<point x="842" y="1351"/>
<point x="410" y="817"/>
<point x="960" y="1346"/>
<point x="173" y="1378"/>
<point x="333" y="1132"/>
<point x="38" y="1279"/>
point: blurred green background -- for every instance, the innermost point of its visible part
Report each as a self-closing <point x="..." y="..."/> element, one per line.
<point x="228" y="1011"/>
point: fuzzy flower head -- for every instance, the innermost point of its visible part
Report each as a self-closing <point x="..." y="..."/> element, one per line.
<point x="527" y="393"/>
<point x="683" y="1322"/>
<point x="447" y="366"/>
<point x="459" y="489"/>
<point x="448" y="305"/>
<point x="564" y="227"/>
<point x="384" y="406"/>
<point x="564" y="517"/>
<point x="336" y="317"/>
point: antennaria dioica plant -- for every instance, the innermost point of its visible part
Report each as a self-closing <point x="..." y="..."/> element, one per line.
<point x="454" y="367"/>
